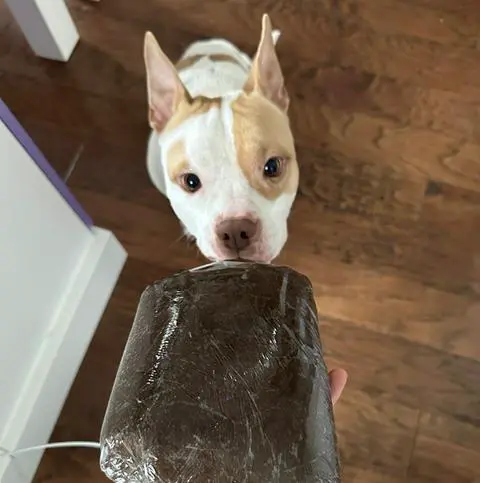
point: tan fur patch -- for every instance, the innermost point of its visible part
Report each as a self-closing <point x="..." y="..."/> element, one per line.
<point x="225" y="58"/>
<point x="177" y="163"/>
<point x="186" y="109"/>
<point x="189" y="61"/>
<point x="261" y="131"/>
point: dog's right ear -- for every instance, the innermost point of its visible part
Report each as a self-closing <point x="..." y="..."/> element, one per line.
<point x="164" y="87"/>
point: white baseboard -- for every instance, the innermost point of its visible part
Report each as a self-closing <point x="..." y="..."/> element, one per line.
<point x="60" y="354"/>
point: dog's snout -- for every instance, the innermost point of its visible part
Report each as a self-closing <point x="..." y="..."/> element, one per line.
<point x="237" y="234"/>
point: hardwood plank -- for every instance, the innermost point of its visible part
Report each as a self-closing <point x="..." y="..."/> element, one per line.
<point x="352" y="474"/>
<point x="445" y="450"/>
<point x="335" y="180"/>
<point x="397" y="306"/>
<point x="462" y="7"/>
<point x="241" y="21"/>
<point x="119" y="171"/>
<point x="451" y="161"/>
<point x="411" y="374"/>
<point x="352" y="90"/>
<point x="5" y="19"/>
<point x="62" y="149"/>
<point x="437" y="462"/>
<point x="439" y="156"/>
<point x="422" y="251"/>
<point x="393" y="17"/>
<point x="375" y="432"/>
<point x="441" y="427"/>
<point x="94" y="117"/>
<point x="63" y="465"/>
<point x="427" y="63"/>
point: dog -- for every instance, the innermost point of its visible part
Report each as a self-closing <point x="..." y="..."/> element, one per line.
<point x="221" y="147"/>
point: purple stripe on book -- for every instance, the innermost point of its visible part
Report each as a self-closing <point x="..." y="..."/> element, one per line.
<point x="26" y="141"/>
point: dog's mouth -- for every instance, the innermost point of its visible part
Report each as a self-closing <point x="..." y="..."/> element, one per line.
<point x="247" y="256"/>
<point x="245" y="260"/>
<point x="258" y="252"/>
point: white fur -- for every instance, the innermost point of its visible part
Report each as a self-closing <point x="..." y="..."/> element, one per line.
<point x="211" y="153"/>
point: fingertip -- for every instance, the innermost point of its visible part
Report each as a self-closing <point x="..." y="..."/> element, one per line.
<point x="338" y="380"/>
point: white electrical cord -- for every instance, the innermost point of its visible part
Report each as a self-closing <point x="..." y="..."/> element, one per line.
<point x="65" y="444"/>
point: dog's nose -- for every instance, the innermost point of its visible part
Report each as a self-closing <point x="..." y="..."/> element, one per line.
<point x="237" y="234"/>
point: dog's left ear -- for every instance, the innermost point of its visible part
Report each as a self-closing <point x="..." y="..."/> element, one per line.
<point x="164" y="87"/>
<point x="266" y="74"/>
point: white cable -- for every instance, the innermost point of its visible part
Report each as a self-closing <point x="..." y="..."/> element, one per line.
<point x="64" y="444"/>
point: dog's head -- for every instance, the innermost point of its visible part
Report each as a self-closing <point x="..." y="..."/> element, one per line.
<point x="229" y="163"/>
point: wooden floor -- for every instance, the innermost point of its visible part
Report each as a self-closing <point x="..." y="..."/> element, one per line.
<point x="386" y="114"/>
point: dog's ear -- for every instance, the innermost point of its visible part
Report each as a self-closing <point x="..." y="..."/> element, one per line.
<point x="266" y="74"/>
<point x="164" y="87"/>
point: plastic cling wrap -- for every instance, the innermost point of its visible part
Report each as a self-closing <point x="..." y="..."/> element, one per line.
<point x="222" y="380"/>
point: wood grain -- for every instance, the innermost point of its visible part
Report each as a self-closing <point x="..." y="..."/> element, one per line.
<point x="385" y="108"/>
<point x="446" y="450"/>
<point x="413" y="374"/>
<point x="375" y="432"/>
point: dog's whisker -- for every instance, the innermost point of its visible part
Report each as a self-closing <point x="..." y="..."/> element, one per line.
<point x="177" y="240"/>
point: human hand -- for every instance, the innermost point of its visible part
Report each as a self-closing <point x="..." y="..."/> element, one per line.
<point x="338" y="379"/>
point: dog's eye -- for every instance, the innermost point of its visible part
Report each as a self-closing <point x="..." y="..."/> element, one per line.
<point x="273" y="167"/>
<point x="191" y="182"/>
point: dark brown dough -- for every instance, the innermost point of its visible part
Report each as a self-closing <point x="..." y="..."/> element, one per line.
<point x="223" y="380"/>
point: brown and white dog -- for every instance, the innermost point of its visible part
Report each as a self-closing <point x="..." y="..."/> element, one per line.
<point x="221" y="149"/>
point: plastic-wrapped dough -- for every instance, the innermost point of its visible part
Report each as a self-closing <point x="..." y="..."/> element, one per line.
<point x="222" y="380"/>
